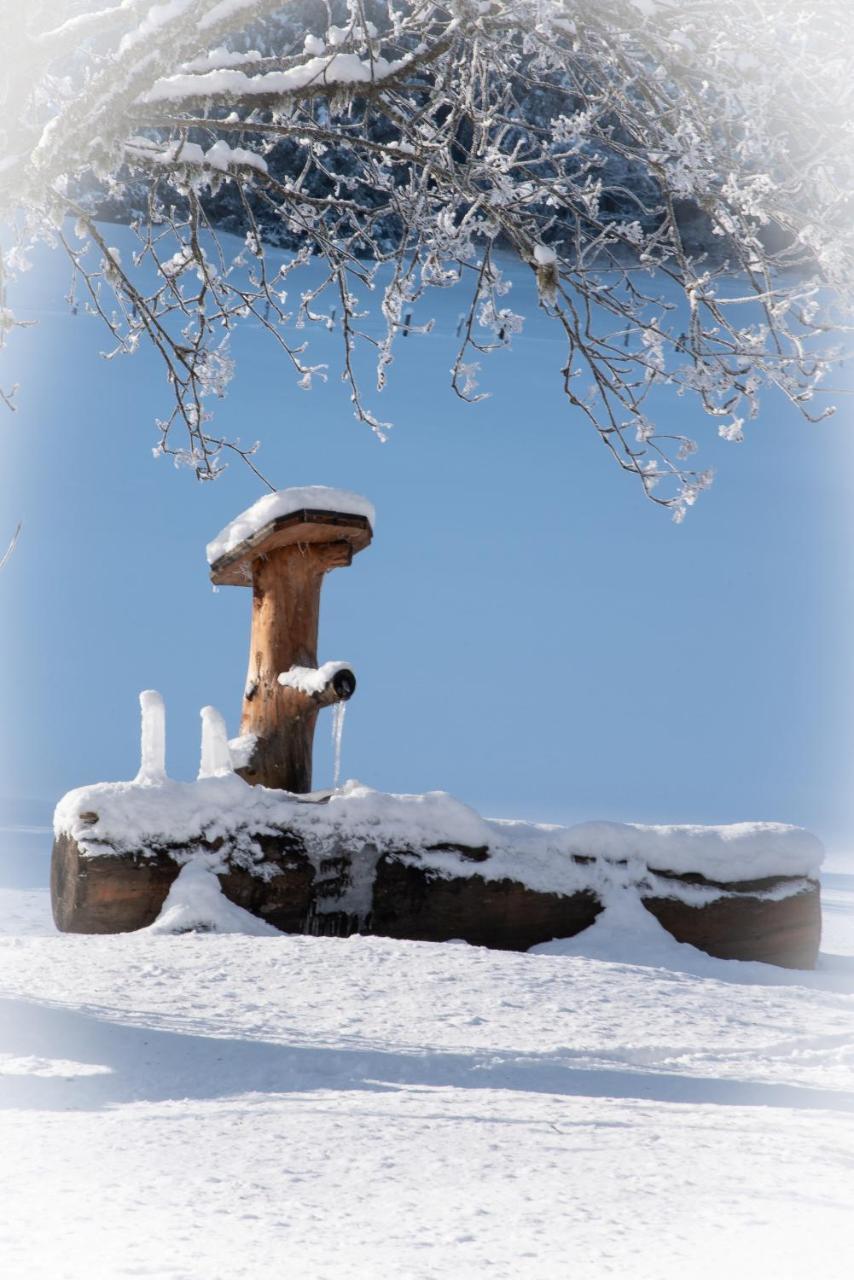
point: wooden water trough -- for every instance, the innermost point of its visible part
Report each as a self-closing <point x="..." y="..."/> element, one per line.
<point x="315" y="864"/>
<point x="410" y="892"/>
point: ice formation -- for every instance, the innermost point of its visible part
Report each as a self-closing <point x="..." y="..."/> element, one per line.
<point x="152" y="769"/>
<point x="216" y="755"/>
<point x="338" y="713"/>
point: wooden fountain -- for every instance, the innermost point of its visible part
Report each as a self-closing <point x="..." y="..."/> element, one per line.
<point x="318" y="870"/>
<point x="284" y="562"/>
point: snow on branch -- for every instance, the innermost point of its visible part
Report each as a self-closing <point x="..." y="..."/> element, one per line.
<point x="7" y="554"/>
<point x="336" y="71"/>
<point x="674" y="174"/>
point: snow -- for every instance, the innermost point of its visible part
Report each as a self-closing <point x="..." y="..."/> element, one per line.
<point x="209" y="1106"/>
<point x="216" y="759"/>
<point x="543" y="857"/>
<point x="625" y="931"/>
<point x="241" y="749"/>
<point x="224" y="11"/>
<point x="173" y="153"/>
<point x="152" y="769"/>
<point x="196" y="902"/>
<point x="737" y="851"/>
<point x="329" y="69"/>
<point x="222" y="57"/>
<point x="312" y="679"/>
<point x="220" y="156"/>
<point x="158" y="16"/>
<point x="312" y="497"/>
<point x="544" y="255"/>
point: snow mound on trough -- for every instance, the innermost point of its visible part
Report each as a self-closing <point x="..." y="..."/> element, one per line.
<point x="737" y="851"/>
<point x="625" y="933"/>
<point x="312" y="497"/>
<point x="125" y="816"/>
<point x="196" y="904"/>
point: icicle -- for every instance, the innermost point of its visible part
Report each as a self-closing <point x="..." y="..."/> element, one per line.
<point x="152" y="767"/>
<point x="216" y="756"/>
<point x="338" y="713"/>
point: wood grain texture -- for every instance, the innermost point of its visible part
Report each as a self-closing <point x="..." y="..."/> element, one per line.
<point x="107" y="893"/>
<point x="412" y="902"/>
<point x="120" y="893"/>
<point x="785" y="931"/>
<point x="285" y="618"/>
<point x="301" y="528"/>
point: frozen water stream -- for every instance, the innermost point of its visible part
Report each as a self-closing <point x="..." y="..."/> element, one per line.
<point x="338" y="713"/>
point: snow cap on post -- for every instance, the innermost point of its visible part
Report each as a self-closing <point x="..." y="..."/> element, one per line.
<point x="305" y="515"/>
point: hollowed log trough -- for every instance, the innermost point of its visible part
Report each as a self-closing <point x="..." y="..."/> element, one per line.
<point x="433" y="893"/>
<point x="267" y="850"/>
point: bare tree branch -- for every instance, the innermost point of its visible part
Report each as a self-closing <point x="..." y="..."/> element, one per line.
<point x="413" y="146"/>
<point x="7" y="554"/>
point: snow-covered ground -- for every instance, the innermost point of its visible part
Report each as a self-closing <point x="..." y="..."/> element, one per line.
<point x="225" y="1106"/>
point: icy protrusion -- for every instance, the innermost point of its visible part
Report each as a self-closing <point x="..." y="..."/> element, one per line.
<point x="216" y="756"/>
<point x="338" y="713"/>
<point x="152" y="767"/>
<point x="312" y="679"/>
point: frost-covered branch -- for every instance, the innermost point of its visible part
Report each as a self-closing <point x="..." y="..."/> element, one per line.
<point x="7" y="554"/>
<point x="675" y="174"/>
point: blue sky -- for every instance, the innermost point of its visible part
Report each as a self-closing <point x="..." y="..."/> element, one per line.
<point x="527" y="631"/>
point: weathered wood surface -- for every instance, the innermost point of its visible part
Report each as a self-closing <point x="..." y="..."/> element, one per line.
<point x="412" y="902"/>
<point x="285" y="564"/>
<point x="393" y="896"/>
<point x="299" y="528"/>
<point x="785" y="931"/>
<point x="120" y="893"/>
<point x="285" y="613"/>
<point x="108" y="893"/>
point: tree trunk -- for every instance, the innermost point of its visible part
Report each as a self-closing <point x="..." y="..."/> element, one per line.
<point x="285" y="612"/>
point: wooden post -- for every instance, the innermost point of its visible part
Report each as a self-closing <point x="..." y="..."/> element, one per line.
<point x="285" y="563"/>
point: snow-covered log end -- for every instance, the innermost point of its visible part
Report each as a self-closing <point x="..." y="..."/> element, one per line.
<point x="424" y="866"/>
<point x="329" y="683"/>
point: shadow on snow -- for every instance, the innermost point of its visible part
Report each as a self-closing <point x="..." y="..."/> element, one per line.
<point x="145" y="1065"/>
